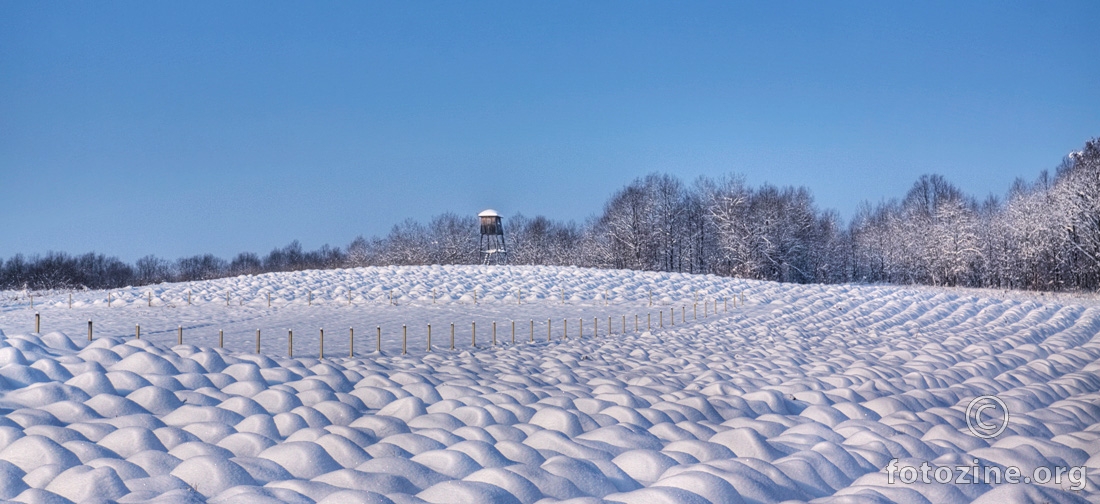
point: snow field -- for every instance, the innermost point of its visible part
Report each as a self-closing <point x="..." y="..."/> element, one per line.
<point x="805" y="394"/>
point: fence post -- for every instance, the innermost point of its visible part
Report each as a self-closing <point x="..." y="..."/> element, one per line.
<point x="150" y="299"/>
<point x="532" y="330"/>
<point x="221" y="338"/>
<point x="661" y="319"/>
<point x="257" y="341"/>
<point x="188" y="297"/>
<point x="322" y="343"/>
<point x="70" y="300"/>
<point x="513" y="332"/>
<point x="37" y="323"/>
<point x="695" y="311"/>
<point x="581" y="329"/>
<point x="635" y="323"/>
<point x="351" y="342"/>
<point x="519" y="296"/>
<point x="650" y="297"/>
<point x="137" y="331"/>
<point x="269" y="300"/>
<point x="564" y="329"/>
<point x="683" y="316"/>
<point x="648" y="320"/>
<point x="547" y="330"/>
<point x="290" y="343"/>
<point x="378" y="347"/>
<point x="179" y="335"/>
<point x="473" y="334"/>
<point x="89" y="329"/>
<point x="108" y="300"/>
<point x="433" y="295"/>
<point x="429" y="337"/>
<point x="404" y="339"/>
<point x="452" y="335"/>
<point x="494" y="334"/>
<point x="562" y="294"/>
<point x="475" y="296"/>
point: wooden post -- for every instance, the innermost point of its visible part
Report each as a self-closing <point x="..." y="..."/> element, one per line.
<point x="188" y="297"/>
<point x="391" y="297"/>
<point x="742" y="298"/>
<point x="475" y="296"/>
<point x="404" y="339"/>
<point x="661" y="319"/>
<point x="179" y="335"/>
<point x="683" y="317"/>
<point x="648" y="319"/>
<point x="322" y="343"/>
<point x="473" y="334"/>
<point x="89" y="329"/>
<point x="581" y="330"/>
<point x="595" y="327"/>
<point x="650" y="297"/>
<point x="150" y="299"/>
<point x="290" y="343"/>
<point x="513" y="332"/>
<point x="635" y="323"/>
<point x="429" y="337"/>
<point x="108" y="300"/>
<point x="564" y="329"/>
<point x="257" y="341"/>
<point x="547" y="330"/>
<point x="695" y="311"/>
<point x="494" y="333"/>
<point x="433" y="295"/>
<point x="70" y="300"/>
<point x="351" y="342"/>
<point x="378" y="345"/>
<point x="137" y="331"/>
<point x="532" y="330"/>
<point x="269" y="300"/>
<point x="221" y="338"/>
<point x="452" y="335"/>
<point x="519" y="296"/>
<point x="37" y="323"/>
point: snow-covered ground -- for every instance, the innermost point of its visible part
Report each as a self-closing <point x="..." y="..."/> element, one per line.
<point x="801" y="393"/>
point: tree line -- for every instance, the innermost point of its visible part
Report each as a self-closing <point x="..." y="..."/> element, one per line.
<point x="1041" y="235"/>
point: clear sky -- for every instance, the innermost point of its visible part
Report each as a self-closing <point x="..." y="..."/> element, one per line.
<point x="180" y="128"/>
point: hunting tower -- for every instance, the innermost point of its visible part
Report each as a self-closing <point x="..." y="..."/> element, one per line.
<point x="492" y="238"/>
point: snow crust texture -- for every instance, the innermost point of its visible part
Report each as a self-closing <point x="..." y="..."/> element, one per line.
<point x="805" y="394"/>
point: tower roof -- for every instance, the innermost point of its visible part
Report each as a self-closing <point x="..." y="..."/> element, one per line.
<point x="488" y="213"/>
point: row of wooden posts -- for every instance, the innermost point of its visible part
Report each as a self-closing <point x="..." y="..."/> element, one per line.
<point x="519" y="298"/>
<point x="473" y="329"/>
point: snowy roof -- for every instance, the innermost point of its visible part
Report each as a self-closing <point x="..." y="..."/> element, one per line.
<point x="488" y="213"/>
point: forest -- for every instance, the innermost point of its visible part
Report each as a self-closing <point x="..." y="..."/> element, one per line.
<point x="1041" y="235"/>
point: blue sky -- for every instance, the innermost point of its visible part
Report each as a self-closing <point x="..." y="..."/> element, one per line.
<point x="180" y="128"/>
